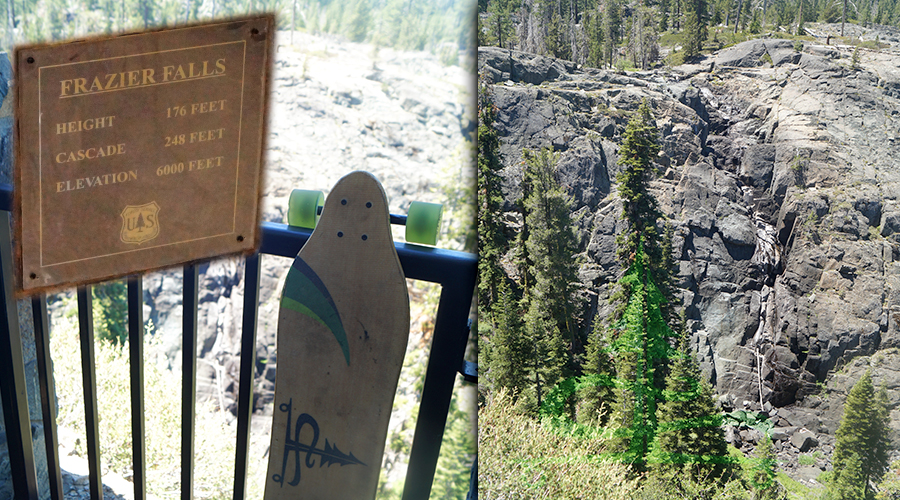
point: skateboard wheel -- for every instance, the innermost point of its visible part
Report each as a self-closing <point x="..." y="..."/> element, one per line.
<point x="303" y="208"/>
<point x="423" y="223"/>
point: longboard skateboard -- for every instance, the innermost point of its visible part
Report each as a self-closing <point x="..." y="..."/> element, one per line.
<point x="342" y="335"/>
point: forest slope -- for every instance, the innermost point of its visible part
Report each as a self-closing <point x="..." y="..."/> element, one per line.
<point x="777" y="172"/>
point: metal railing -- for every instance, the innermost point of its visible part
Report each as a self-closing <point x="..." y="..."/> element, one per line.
<point x="454" y="271"/>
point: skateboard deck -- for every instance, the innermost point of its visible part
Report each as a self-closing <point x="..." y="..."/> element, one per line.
<point x="342" y="334"/>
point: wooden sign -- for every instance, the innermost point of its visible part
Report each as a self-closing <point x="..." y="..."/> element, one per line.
<point x="139" y="151"/>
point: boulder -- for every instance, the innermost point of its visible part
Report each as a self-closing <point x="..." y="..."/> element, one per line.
<point x="757" y="166"/>
<point x="743" y="55"/>
<point x="803" y="440"/>
<point x="782" y="433"/>
<point x="737" y="229"/>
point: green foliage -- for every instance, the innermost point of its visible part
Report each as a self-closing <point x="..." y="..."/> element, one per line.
<point x="110" y="308"/>
<point x="806" y="460"/>
<point x="744" y="418"/>
<point x="506" y="353"/>
<point x="695" y="23"/>
<point x="611" y="29"/>
<point x="548" y="356"/>
<point x="637" y="152"/>
<point x="690" y="440"/>
<point x="854" y="59"/>
<point x="551" y="245"/>
<point x="596" y="38"/>
<point x="491" y="240"/>
<point x="762" y="472"/>
<point x="500" y="30"/>
<point x="861" y="441"/>
<point x="595" y="399"/>
<point x="849" y="482"/>
<point x="526" y="459"/>
<point x="639" y="346"/>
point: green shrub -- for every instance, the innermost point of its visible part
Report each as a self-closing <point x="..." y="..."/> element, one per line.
<point x="110" y="308"/>
<point x="524" y="459"/>
<point x="806" y="460"/>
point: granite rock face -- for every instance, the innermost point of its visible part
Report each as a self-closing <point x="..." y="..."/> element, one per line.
<point x="777" y="172"/>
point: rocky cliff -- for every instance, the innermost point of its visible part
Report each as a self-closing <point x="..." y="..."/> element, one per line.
<point x="778" y="174"/>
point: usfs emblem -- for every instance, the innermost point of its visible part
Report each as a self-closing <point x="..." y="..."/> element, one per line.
<point x="140" y="223"/>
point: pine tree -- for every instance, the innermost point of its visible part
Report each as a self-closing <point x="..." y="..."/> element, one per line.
<point x="612" y="30"/>
<point x="595" y="399"/>
<point x="762" y="473"/>
<point x="639" y="207"/>
<point x="549" y="360"/>
<point x="491" y="241"/>
<point x="501" y="29"/>
<point x="503" y="346"/>
<point x="849" y="483"/>
<point x="690" y="441"/>
<point x="551" y="245"/>
<point x="507" y="353"/>
<point x="695" y="22"/>
<point x="861" y="437"/>
<point x="640" y="349"/>
<point x="595" y="38"/>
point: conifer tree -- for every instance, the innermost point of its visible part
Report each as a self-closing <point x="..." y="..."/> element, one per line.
<point x="505" y="350"/>
<point x="762" y="473"/>
<point x="547" y="247"/>
<point x="612" y="30"/>
<point x="637" y="340"/>
<point x="861" y="438"/>
<point x="507" y="353"/>
<point x="595" y="38"/>
<point x="639" y="208"/>
<point x="690" y="440"/>
<point x="549" y="359"/>
<point x="849" y="483"/>
<point x="640" y="348"/>
<point x="491" y="241"/>
<point x="500" y="27"/>
<point x="695" y="22"/>
<point x="551" y="245"/>
<point x="596" y="399"/>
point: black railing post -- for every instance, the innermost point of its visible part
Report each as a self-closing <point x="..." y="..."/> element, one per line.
<point x="189" y="379"/>
<point x="248" y="368"/>
<point x="48" y="392"/>
<point x="12" y="379"/>
<point x="89" y="381"/>
<point x="136" y="367"/>
<point x="447" y="350"/>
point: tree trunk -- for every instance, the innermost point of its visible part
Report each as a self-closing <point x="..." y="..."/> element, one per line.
<point x="843" y="17"/>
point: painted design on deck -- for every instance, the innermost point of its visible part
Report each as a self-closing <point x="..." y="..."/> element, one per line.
<point x="305" y="293"/>
<point x="328" y="455"/>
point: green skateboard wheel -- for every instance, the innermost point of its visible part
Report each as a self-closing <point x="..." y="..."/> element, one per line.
<point x="303" y="208"/>
<point x="423" y="223"/>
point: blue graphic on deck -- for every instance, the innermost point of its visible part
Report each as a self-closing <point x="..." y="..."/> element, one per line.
<point x="305" y="293"/>
<point x="328" y="455"/>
